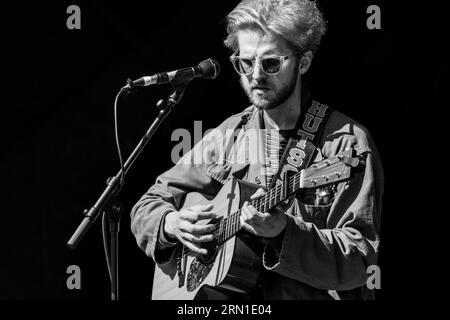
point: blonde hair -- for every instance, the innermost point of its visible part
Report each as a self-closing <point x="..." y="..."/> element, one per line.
<point x="299" y="22"/>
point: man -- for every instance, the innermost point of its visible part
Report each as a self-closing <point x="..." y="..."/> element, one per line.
<point x="320" y="244"/>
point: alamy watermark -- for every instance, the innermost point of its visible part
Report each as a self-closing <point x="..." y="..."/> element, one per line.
<point x="374" y="278"/>
<point x="74" y="279"/>
<point x="74" y="19"/>
<point x="73" y="22"/>
<point x="374" y="20"/>
<point x="228" y="145"/>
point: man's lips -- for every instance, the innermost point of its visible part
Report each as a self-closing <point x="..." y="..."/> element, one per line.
<point x="260" y="88"/>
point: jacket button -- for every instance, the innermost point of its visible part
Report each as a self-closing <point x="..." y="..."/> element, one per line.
<point x="258" y="180"/>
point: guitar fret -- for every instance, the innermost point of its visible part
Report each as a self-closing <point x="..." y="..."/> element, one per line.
<point x="231" y="225"/>
<point x="224" y="229"/>
<point x="278" y="194"/>
<point x="233" y="222"/>
<point x="221" y="231"/>
<point x="233" y="217"/>
<point x="273" y="194"/>
<point x="238" y="220"/>
<point x="272" y="202"/>
<point x="227" y="227"/>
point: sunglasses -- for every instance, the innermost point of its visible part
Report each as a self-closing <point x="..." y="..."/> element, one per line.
<point x="269" y="65"/>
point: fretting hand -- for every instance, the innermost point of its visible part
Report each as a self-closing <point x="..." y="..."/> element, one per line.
<point x="263" y="224"/>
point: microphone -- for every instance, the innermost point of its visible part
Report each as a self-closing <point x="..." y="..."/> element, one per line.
<point x="207" y="69"/>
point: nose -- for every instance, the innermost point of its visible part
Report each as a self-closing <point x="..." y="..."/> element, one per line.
<point x="257" y="71"/>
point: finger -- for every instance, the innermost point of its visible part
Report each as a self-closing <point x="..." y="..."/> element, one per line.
<point x="245" y="211"/>
<point x="193" y="215"/>
<point x="247" y="226"/>
<point x="202" y="207"/>
<point x="206" y="215"/>
<point x="252" y="210"/>
<point x="258" y="194"/>
<point x="197" y="228"/>
<point x="193" y="247"/>
<point x="256" y="213"/>
<point x="252" y="216"/>
<point x="195" y="239"/>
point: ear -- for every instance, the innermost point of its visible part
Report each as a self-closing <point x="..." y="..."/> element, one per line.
<point x="305" y="62"/>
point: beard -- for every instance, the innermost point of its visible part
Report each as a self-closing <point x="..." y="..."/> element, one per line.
<point x="262" y="100"/>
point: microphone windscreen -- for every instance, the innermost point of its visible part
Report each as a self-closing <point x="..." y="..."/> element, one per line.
<point x="210" y="68"/>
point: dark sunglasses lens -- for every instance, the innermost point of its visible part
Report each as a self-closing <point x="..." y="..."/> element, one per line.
<point x="271" y="65"/>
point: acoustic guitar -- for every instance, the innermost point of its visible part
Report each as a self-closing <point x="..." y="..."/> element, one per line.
<point x="232" y="263"/>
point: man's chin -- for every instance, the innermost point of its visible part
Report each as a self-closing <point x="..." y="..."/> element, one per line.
<point x="263" y="106"/>
<point x="262" y="103"/>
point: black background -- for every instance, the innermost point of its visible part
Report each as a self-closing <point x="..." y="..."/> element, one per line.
<point x="57" y="134"/>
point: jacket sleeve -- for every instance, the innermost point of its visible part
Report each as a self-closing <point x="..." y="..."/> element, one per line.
<point x="168" y="193"/>
<point x="335" y="254"/>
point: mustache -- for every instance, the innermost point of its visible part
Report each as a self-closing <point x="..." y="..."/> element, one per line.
<point x="259" y="85"/>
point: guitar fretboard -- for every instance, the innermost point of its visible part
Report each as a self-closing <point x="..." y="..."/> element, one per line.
<point x="229" y="226"/>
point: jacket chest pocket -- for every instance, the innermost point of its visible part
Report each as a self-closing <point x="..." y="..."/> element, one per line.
<point x="315" y="204"/>
<point x="316" y="214"/>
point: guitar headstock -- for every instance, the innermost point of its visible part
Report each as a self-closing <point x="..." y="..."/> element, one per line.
<point x="331" y="170"/>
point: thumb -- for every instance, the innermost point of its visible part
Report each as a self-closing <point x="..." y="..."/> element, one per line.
<point x="206" y="207"/>
<point x="201" y="207"/>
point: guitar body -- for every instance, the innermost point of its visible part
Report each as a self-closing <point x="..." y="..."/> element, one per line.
<point x="231" y="265"/>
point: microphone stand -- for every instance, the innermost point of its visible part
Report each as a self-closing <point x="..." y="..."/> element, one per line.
<point x="107" y="201"/>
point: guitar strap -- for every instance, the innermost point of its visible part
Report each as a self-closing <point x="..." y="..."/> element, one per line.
<point x="302" y="144"/>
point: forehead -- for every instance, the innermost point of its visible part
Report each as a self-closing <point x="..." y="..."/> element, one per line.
<point x="253" y="43"/>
